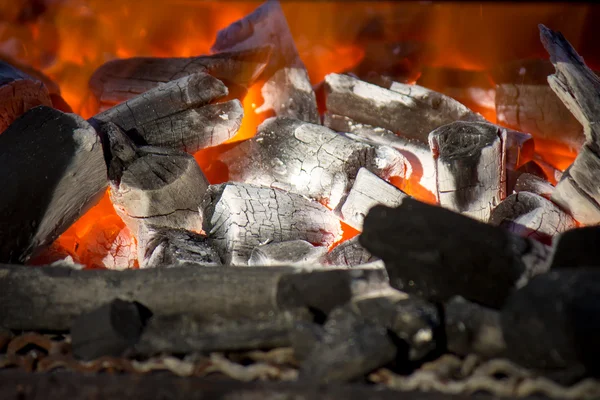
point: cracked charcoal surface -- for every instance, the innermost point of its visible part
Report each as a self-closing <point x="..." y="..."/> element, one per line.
<point x="293" y="252"/>
<point x="349" y="253"/>
<point x="301" y="158"/>
<point x="238" y="217"/>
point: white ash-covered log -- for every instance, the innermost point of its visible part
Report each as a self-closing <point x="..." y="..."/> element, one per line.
<point x="179" y="114"/>
<point x="120" y="80"/>
<point x="238" y="217"/>
<point x="53" y="171"/>
<point x="286" y="90"/>
<point x="438" y="253"/>
<point x="527" y="182"/>
<point x="531" y="215"/>
<point x="292" y="252"/>
<point x="578" y="87"/>
<point x="349" y="253"/>
<point x="470" y="167"/>
<point x="19" y="92"/>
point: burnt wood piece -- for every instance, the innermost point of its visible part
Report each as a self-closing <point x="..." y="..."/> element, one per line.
<point x="519" y="148"/>
<point x="19" y="92"/>
<point x="552" y="323"/>
<point x="410" y="111"/>
<point x="238" y="217"/>
<point x="299" y="157"/>
<point x="160" y="246"/>
<point x="178" y="114"/>
<point x="368" y="190"/>
<point x="525" y="101"/>
<point x="578" y="88"/>
<point x="530" y="215"/>
<point x="534" y="184"/>
<point x="50" y="298"/>
<point x="108" y="330"/>
<point x="181" y="334"/>
<point x="53" y="171"/>
<point x="120" y="80"/>
<point x="577" y="248"/>
<point x="350" y="347"/>
<point x="349" y="253"/>
<point x="286" y="90"/>
<point x="293" y="252"/>
<point x="472" y="329"/>
<point x="304" y="337"/>
<point x="437" y="253"/>
<point x="470" y="167"/>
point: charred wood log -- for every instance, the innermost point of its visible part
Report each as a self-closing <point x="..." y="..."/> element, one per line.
<point x="530" y="215"/>
<point x="424" y="255"/>
<point x="19" y="92"/>
<point x="178" y="114"/>
<point x="293" y="252"/>
<point x="367" y="191"/>
<point x="53" y="171"/>
<point x="578" y="88"/>
<point x="120" y="80"/>
<point x="238" y="217"/>
<point x="470" y="167"/>
<point x="350" y="253"/>
<point x="299" y="157"/>
<point x="406" y="110"/>
<point x="287" y="90"/>
<point x="577" y="248"/>
<point x="534" y="184"/>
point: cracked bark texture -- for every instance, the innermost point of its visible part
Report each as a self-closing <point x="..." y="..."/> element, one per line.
<point x="470" y="167"/>
<point x="286" y="91"/>
<point x="367" y="191"/>
<point x="19" y="92"/>
<point x="406" y="110"/>
<point x="349" y="253"/>
<point x="179" y="114"/>
<point x="53" y="171"/>
<point x="293" y="252"/>
<point x="238" y="217"/>
<point x="299" y="157"/>
<point x="531" y="215"/>
<point x="120" y="80"/>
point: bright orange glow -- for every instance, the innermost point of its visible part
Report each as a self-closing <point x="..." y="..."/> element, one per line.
<point x="348" y="233"/>
<point x="558" y="155"/>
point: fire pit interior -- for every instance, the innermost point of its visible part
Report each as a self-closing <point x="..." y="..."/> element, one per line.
<point x="402" y="195"/>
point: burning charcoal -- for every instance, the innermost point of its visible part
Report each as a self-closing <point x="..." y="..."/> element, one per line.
<point x="525" y="101"/>
<point x="367" y="191"/>
<point x="232" y="292"/>
<point x="530" y="215"/>
<point x="108" y="330"/>
<point x="299" y="157"/>
<point x="578" y="88"/>
<point x="412" y="320"/>
<point x="577" y="248"/>
<point x="349" y="253"/>
<point x="534" y="184"/>
<point x="238" y="217"/>
<point x="351" y="347"/>
<point x="470" y="167"/>
<point x="519" y="148"/>
<point x="472" y="329"/>
<point x="53" y="171"/>
<point x="304" y="337"/>
<point x="182" y="334"/>
<point x="120" y="80"/>
<point x="161" y="246"/>
<point x="287" y="90"/>
<point x="19" y="92"/>
<point x="178" y="114"/>
<point x="293" y="252"/>
<point x="552" y="323"/>
<point x="436" y="253"/>
<point x="407" y="110"/>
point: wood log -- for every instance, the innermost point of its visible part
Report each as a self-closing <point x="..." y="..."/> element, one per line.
<point x="178" y="114"/>
<point x="470" y="167"/>
<point x="367" y="191"/>
<point x="160" y="246"/>
<point x="424" y="255"/>
<point x="53" y="171"/>
<point x="578" y="88"/>
<point x="120" y="80"/>
<point x="303" y="158"/>
<point x="534" y="184"/>
<point x="19" y="92"/>
<point x="407" y="110"/>
<point x="350" y="253"/>
<point x="293" y="252"/>
<point x="50" y="298"/>
<point x="238" y="217"/>
<point x="530" y="215"/>
<point x="287" y="91"/>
